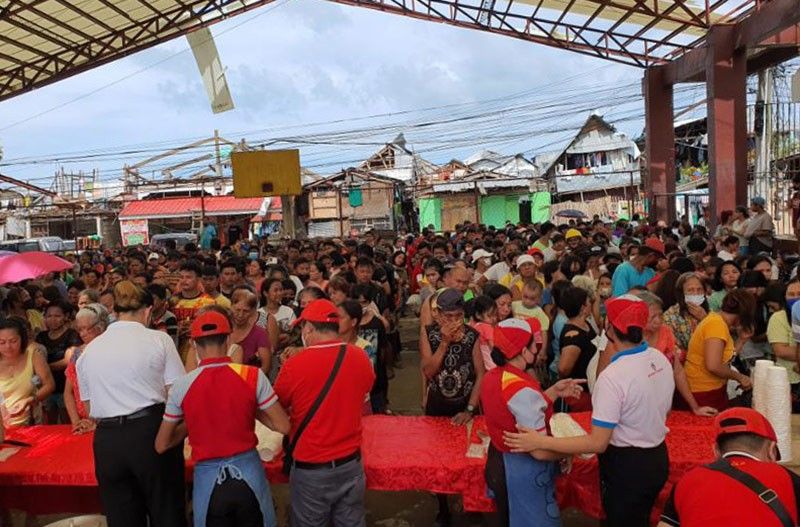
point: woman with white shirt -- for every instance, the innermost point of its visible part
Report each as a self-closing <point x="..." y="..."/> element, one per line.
<point x="271" y="296"/>
<point x="124" y="375"/>
<point x="739" y="226"/>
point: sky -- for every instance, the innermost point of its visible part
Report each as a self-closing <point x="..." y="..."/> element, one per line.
<point x="304" y="61"/>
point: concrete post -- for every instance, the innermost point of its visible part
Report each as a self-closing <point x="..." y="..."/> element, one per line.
<point x="660" y="147"/>
<point x="726" y="85"/>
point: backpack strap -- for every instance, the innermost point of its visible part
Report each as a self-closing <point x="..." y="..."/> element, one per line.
<point x="290" y="447"/>
<point x="766" y="495"/>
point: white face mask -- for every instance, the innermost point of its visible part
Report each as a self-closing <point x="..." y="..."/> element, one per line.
<point x="695" y="299"/>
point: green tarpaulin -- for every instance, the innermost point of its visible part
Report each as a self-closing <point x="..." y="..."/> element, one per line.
<point x="493" y="210"/>
<point x="497" y="210"/>
<point x="540" y="207"/>
<point x="430" y="213"/>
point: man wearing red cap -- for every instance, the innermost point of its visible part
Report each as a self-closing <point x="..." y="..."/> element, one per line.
<point x="745" y="486"/>
<point x="324" y="387"/>
<point x="217" y="405"/>
<point x="523" y="485"/>
<point x="630" y="403"/>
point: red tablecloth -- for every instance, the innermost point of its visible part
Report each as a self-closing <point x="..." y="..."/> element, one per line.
<point x="56" y="474"/>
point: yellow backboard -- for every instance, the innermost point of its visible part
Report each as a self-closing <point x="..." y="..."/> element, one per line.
<point x="266" y="173"/>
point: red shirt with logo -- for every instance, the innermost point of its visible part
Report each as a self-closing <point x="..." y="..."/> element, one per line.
<point x="218" y="401"/>
<point x="708" y="498"/>
<point x="335" y="430"/>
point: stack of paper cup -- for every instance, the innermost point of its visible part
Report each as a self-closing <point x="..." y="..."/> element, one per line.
<point x="760" y="384"/>
<point x="778" y="405"/>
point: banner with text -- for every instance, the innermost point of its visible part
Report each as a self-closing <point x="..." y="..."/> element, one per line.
<point x="134" y="232"/>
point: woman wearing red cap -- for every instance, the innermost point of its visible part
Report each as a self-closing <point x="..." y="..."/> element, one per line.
<point x="523" y="485"/>
<point x="630" y="403"/>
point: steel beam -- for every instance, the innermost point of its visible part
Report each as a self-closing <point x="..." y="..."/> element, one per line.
<point x="777" y="17"/>
<point x="80" y="50"/>
<point x="789" y="37"/>
<point x="72" y="59"/>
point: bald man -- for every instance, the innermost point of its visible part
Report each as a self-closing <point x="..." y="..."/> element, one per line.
<point x="456" y="278"/>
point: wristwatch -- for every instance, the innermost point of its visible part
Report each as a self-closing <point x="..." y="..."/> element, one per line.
<point x="470" y="409"/>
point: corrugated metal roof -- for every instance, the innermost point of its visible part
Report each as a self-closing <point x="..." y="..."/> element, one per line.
<point x="403" y="175"/>
<point x="47" y="40"/>
<point x="597" y="142"/>
<point x="183" y="207"/>
<point x="459" y="186"/>
<point x="485" y="155"/>
<point x="585" y="183"/>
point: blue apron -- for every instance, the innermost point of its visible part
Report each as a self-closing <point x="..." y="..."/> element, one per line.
<point x="531" y="491"/>
<point x="245" y="466"/>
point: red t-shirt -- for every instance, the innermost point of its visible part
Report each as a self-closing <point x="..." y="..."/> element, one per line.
<point x="335" y="430"/>
<point x="708" y="498"/>
<point x="218" y="401"/>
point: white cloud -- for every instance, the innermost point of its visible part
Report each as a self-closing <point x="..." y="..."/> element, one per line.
<point x="306" y="61"/>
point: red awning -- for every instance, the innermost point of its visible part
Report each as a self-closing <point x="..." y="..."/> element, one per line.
<point x="183" y="207"/>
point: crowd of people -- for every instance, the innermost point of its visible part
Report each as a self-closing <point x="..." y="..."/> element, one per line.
<point x="627" y="320"/>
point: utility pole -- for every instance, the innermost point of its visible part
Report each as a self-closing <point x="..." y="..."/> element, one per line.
<point x="762" y="124"/>
<point x="218" y="170"/>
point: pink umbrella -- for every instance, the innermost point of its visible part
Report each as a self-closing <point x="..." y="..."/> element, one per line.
<point x="24" y="266"/>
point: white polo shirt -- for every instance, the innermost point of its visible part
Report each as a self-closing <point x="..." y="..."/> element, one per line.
<point x="126" y="369"/>
<point x="633" y="396"/>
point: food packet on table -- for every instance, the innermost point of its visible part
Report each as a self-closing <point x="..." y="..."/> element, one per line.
<point x="563" y="425"/>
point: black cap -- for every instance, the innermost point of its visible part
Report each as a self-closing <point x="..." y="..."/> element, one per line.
<point x="450" y="300"/>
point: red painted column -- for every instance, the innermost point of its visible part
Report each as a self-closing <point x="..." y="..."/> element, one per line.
<point x="659" y="182"/>
<point x="726" y="86"/>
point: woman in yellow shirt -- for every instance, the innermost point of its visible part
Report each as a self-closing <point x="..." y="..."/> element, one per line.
<point x="712" y="348"/>
<point x="781" y="338"/>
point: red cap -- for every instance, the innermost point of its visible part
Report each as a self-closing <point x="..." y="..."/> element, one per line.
<point x="512" y="336"/>
<point x="319" y="310"/>
<point x="627" y="311"/>
<point x="655" y="244"/>
<point x="743" y="420"/>
<point x="209" y="324"/>
<point x="535" y="250"/>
